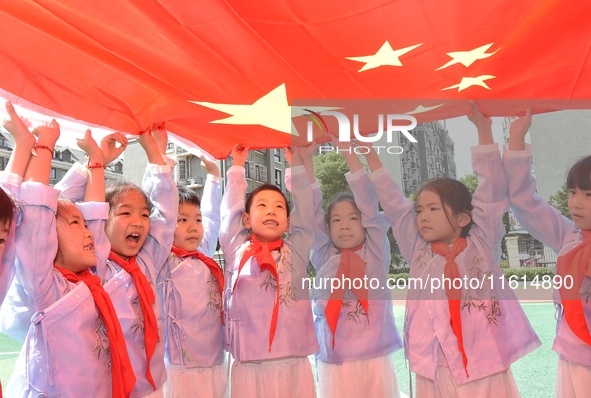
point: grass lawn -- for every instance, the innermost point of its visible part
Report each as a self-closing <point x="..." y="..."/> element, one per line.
<point x="535" y="374"/>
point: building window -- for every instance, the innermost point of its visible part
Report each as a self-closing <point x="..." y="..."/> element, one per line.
<point x="3" y="141"/>
<point x="169" y="146"/>
<point x="3" y="163"/>
<point x="247" y="172"/>
<point x="277" y="155"/>
<point x="257" y="171"/>
<point x="53" y="174"/>
<point x="119" y="167"/>
<point x="278" y="179"/>
<point x="66" y="156"/>
<point x="182" y="169"/>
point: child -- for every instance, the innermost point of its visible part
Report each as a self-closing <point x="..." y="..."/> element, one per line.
<point x="17" y="310"/>
<point x="270" y="333"/>
<point x="355" y="327"/>
<point x="460" y="339"/>
<point x="571" y="240"/>
<point x="190" y="287"/>
<point x="141" y="231"/>
<point x="75" y="317"/>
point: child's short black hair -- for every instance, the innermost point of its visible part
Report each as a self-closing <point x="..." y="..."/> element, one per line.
<point x="264" y="187"/>
<point x="579" y="176"/>
<point x="187" y="195"/>
<point x="116" y="189"/>
<point x="7" y="208"/>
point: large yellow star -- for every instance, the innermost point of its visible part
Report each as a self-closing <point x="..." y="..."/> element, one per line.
<point x="471" y="81"/>
<point x="467" y="58"/>
<point x="271" y="110"/>
<point x="385" y="56"/>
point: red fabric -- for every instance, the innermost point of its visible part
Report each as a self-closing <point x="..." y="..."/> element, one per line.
<point x="576" y="264"/>
<point x="262" y="252"/>
<point x="352" y="267"/>
<point x="121" y="369"/>
<point x="126" y="65"/>
<point x="454" y="296"/>
<point x="209" y="262"/>
<point x="147" y="299"/>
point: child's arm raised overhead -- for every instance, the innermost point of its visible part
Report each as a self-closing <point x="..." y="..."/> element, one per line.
<point x="366" y="201"/>
<point x="24" y="142"/>
<point x="398" y="210"/>
<point x="210" y="207"/>
<point x="36" y="235"/>
<point x="301" y="225"/>
<point x="163" y="194"/>
<point x="322" y="241"/>
<point x="232" y="232"/>
<point x="543" y="221"/>
<point x="94" y="209"/>
<point x="491" y="199"/>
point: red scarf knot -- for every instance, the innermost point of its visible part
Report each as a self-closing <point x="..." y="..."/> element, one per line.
<point x="454" y="296"/>
<point x="262" y="252"/>
<point x="147" y="300"/>
<point x="210" y="263"/>
<point x="351" y="267"/>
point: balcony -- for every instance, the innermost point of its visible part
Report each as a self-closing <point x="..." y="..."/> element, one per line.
<point x="194" y="182"/>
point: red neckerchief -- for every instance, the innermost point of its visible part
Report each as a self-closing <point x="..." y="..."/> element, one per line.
<point x="121" y="369"/>
<point x="575" y="263"/>
<point x="147" y="299"/>
<point x="210" y="263"/>
<point x="353" y="267"/>
<point x="454" y="296"/>
<point x="262" y="252"/>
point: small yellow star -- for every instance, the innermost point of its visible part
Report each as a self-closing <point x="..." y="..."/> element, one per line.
<point x="471" y="81"/>
<point x="467" y="58"/>
<point x="385" y="56"/>
<point x="422" y="109"/>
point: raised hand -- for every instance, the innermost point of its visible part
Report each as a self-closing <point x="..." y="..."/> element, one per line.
<point x="239" y="155"/>
<point x="18" y="128"/>
<point x="518" y="130"/>
<point x="148" y="141"/>
<point x="209" y="166"/>
<point x="109" y="146"/>
<point x="483" y="125"/>
<point x="90" y="147"/>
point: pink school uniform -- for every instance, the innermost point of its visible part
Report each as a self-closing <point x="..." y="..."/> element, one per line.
<point x="367" y="339"/>
<point x="562" y="235"/>
<point x="65" y="352"/>
<point x="192" y="308"/>
<point x="495" y="330"/>
<point x="163" y="194"/>
<point x="282" y="368"/>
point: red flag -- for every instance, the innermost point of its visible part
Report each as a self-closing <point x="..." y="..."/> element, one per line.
<point x="126" y="65"/>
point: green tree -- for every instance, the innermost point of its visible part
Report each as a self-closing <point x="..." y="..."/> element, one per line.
<point x="330" y="169"/>
<point x="560" y="201"/>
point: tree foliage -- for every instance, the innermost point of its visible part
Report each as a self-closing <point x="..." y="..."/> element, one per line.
<point x="560" y="201"/>
<point x="330" y="169"/>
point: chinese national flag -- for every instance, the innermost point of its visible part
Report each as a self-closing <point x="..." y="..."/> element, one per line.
<point x="222" y="72"/>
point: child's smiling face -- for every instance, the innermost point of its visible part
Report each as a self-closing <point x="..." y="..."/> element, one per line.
<point x="128" y="224"/>
<point x="267" y="218"/>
